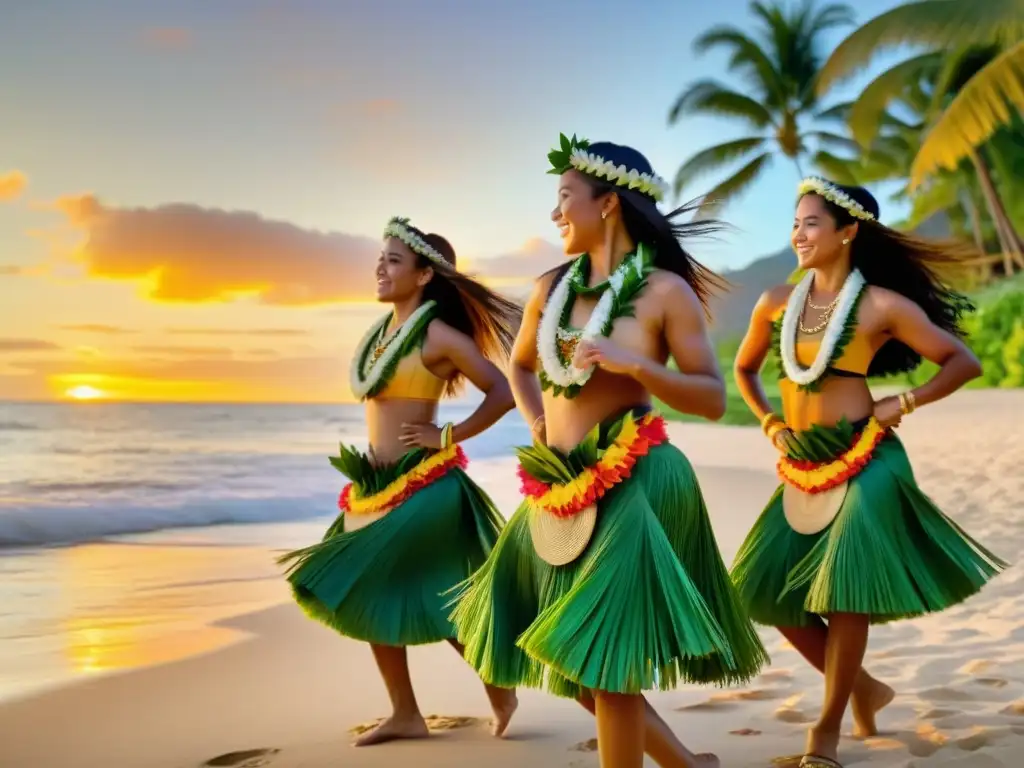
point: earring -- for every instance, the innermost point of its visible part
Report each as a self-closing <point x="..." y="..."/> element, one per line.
<point x="846" y="241"/>
<point x="604" y="214"/>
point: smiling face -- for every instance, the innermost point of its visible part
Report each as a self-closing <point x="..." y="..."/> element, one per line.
<point x="578" y="214"/>
<point x="398" y="276"/>
<point x="816" y="239"/>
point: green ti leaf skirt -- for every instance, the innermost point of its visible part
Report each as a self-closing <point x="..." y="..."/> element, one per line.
<point x="889" y="552"/>
<point x="648" y="604"/>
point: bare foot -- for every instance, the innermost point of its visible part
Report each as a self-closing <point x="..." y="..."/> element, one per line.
<point x="503" y="711"/>
<point x="706" y="760"/>
<point x="866" y="706"/>
<point x="394" y="727"/>
<point x="822" y="744"/>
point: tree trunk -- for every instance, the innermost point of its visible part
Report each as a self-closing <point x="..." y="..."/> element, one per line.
<point x="1009" y="240"/>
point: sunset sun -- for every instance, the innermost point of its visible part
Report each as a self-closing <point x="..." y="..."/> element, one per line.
<point x="84" y="392"/>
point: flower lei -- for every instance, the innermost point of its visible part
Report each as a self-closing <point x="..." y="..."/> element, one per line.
<point x="399" y="490"/>
<point x="397" y="227"/>
<point x="836" y="196"/>
<point x="556" y="341"/>
<point x="572" y="153"/>
<point x="837" y="333"/>
<point x="377" y="356"/>
<point x="819" y="476"/>
<point x="615" y="464"/>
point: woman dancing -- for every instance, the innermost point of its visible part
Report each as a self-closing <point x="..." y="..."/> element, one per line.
<point x="412" y="523"/>
<point x="608" y="581"/>
<point x="849" y="537"/>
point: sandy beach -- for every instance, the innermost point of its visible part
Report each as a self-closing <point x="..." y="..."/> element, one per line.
<point x="287" y="691"/>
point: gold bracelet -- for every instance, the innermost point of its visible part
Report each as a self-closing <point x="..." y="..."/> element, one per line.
<point x="769" y="419"/>
<point x="774" y="429"/>
<point x="907" y="402"/>
<point x="446" y="436"/>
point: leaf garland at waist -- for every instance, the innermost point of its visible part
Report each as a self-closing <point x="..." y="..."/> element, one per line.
<point x="369" y="477"/>
<point x="820" y="443"/>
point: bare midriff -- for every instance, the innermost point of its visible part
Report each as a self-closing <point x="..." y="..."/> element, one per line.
<point x="836" y="398"/>
<point x="385" y="417"/>
<point x="605" y="395"/>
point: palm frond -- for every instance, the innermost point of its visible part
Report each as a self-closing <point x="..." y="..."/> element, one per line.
<point x="977" y="111"/>
<point x="937" y="197"/>
<point x="713" y="158"/>
<point x="710" y="98"/>
<point x="835" y="140"/>
<point x="832" y="16"/>
<point x="735" y="184"/>
<point x="747" y="56"/>
<point x="935" y="23"/>
<point x="865" y="116"/>
<point x="838" y="169"/>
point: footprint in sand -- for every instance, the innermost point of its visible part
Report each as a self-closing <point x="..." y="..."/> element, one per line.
<point x="982" y="737"/>
<point x="789" y="713"/>
<point x="746" y="732"/>
<point x="976" y="666"/>
<point x="590" y="745"/>
<point x="776" y="676"/>
<point x="1015" y="709"/>
<point x="730" y="699"/>
<point x="945" y="693"/>
<point x="991" y="682"/>
<point x="434" y="723"/>
<point x="247" y="758"/>
<point x="939" y="713"/>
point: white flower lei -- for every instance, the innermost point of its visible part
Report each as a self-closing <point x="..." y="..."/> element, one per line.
<point x="550" y="331"/>
<point x="847" y="299"/>
<point x="396" y="227"/>
<point x="362" y="381"/>
<point x="835" y="195"/>
<point x="595" y="165"/>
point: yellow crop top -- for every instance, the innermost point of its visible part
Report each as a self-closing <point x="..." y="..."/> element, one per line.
<point x="413" y="381"/>
<point x="852" y="363"/>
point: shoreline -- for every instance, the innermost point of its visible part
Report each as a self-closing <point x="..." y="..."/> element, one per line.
<point x="280" y="681"/>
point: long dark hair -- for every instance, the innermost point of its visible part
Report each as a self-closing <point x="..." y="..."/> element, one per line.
<point x="468" y="306"/>
<point x="910" y="266"/>
<point x="645" y="223"/>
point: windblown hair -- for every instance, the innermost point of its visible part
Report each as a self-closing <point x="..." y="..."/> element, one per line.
<point x="908" y="265"/>
<point x="664" y="233"/>
<point x="469" y="306"/>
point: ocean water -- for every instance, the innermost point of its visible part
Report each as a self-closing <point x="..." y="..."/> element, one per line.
<point x="128" y="530"/>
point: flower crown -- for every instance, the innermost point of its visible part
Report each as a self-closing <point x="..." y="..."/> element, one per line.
<point x="398" y="227"/>
<point x="834" y="195"/>
<point x="572" y="153"/>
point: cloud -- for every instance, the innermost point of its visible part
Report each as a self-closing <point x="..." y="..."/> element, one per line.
<point x="381" y="107"/>
<point x="183" y="350"/>
<point x="535" y="258"/>
<point x="26" y="345"/>
<point x="237" y="332"/>
<point x="7" y="270"/>
<point x="167" y="38"/>
<point x="12" y="184"/>
<point x="109" y="330"/>
<point x="188" y="253"/>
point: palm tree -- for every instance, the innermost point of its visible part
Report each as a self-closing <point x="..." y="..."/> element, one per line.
<point x="978" y="74"/>
<point x="778" y="67"/>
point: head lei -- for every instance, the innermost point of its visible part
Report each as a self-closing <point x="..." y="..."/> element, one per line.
<point x="399" y="227"/>
<point x="573" y="153"/>
<point x="829" y="191"/>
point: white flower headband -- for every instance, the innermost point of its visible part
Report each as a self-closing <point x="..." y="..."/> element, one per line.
<point x="572" y="153"/>
<point x="834" y="195"/>
<point x="397" y="227"/>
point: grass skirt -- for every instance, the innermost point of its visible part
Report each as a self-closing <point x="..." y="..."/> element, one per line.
<point x="385" y="583"/>
<point x="889" y="552"/>
<point x="648" y="604"/>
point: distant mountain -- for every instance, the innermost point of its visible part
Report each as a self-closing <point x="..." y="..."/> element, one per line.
<point x="730" y="311"/>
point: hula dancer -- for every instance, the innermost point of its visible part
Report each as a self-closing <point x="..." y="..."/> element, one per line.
<point x="849" y="537"/>
<point x="607" y="581"/>
<point x="412" y="523"/>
